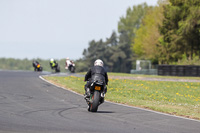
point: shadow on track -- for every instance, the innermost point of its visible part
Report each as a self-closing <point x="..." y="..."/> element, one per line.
<point x="105" y="112"/>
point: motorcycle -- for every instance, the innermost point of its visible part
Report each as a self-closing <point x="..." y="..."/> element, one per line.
<point x="96" y="96"/>
<point x="57" y="68"/>
<point x="38" y="67"/>
<point x="71" y="68"/>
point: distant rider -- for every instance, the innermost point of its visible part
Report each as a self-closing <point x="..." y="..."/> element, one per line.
<point x="97" y="72"/>
<point x="35" y="63"/>
<point x="68" y="63"/>
<point x="53" y="63"/>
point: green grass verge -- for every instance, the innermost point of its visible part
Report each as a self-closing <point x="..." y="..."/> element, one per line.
<point x="146" y="76"/>
<point x="178" y="98"/>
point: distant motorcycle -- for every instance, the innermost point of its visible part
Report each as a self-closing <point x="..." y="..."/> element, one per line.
<point x="96" y="96"/>
<point x="57" y="68"/>
<point x="71" y="68"/>
<point x="38" y="67"/>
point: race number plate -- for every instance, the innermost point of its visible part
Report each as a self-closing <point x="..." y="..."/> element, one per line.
<point x="97" y="88"/>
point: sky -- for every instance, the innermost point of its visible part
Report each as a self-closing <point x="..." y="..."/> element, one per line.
<point x="57" y="28"/>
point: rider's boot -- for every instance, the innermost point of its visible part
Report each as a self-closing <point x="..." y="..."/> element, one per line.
<point x="103" y="94"/>
<point x="87" y="93"/>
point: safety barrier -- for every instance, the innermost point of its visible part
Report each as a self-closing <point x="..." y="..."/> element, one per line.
<point x="179" y="70"/>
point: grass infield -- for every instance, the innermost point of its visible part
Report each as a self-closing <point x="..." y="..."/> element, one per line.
<point x="177" y="98"/>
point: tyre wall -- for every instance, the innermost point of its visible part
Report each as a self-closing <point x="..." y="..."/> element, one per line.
<point x="179" y="70"/>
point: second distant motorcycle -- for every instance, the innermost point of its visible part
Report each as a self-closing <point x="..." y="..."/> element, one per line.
<point x="69" y="64"/>
<point x="54" y="65"/>
<point x="71" y="68"/>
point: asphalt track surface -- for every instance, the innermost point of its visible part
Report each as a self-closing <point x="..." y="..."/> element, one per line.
<point x="31" y="105"/>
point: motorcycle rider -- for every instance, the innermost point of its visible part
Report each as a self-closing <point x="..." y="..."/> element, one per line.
<point x="97" y="72"/>
<point x="53" y="63"/>
<point x="35" y="63"/>
<point x="68" y="63"/>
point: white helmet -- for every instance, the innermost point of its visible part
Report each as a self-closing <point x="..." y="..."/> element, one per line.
<point x="98" y="62"/>
<point x="51" y="59"/>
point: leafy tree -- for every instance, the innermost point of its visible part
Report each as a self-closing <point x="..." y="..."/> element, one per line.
<point x="131" y="22"/>
<point x="115" y="54"/>
<point x="147" y="36"/>
<point x="189" y="26"/>
<point x="129" y="25"/>
<point x="180" y="30"/>
<point x="111" y="45"/>
<point x="93" y="52"/>
<point x="101" y="50"/>
<point x="122" y="55"/>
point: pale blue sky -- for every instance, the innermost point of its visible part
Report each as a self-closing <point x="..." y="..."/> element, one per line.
<point x="57" y="28"/>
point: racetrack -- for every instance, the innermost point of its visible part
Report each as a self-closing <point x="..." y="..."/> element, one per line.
<point x="31" y="105"/>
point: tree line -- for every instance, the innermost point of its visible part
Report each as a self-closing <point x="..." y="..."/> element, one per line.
<point x="168" y="33"/>
<point x="26" y="64"/>
<point x="116" y="51"/>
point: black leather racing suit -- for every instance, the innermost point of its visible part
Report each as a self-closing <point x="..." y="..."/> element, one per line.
<point x="96" y="73"/>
